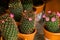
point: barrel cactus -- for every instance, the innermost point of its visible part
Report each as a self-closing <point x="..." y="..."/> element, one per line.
<point x="52" y="21"/>
<point x="28" y="18"/>
<point x="16" y="8"/>
<point x="8" y="28"/>
<point x="27" y="4"/>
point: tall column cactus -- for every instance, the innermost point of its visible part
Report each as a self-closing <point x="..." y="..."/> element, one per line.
<point x="16" y="8"/>
<point x="8" y="27"/>
<point x="28" y="18"/>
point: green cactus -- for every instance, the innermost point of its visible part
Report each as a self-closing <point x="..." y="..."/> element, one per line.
<point x="16" y="8"/>
<point x="27" y="23"/>
<point x="28" y="18"/>
<point x="27" y="4"/>
<point x="52" y="26"/>
<point x="8" y="27"/>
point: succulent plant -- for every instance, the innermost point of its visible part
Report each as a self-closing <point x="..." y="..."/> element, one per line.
<point x="28" y="18"/>
<point x="27" y="4"/>
<point x="16" y="8"/>
<point x="8" y="27"/>
<point x="52" y="21"/>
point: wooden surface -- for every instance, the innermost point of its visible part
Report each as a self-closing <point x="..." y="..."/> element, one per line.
<point x="53" y="5"/>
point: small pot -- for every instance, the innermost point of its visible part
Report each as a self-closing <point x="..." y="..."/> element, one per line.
<point x="27" y="36"/>
<point x="50" y="35"/>
<point x="1" y="38"/>
<point x="17" y="23"/>
<point x="39" y="8"/>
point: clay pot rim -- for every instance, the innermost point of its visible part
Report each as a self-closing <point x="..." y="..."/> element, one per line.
<point x="39" y="6"/>
<point x="28" y="34"/>
<point x="45" y="30"/>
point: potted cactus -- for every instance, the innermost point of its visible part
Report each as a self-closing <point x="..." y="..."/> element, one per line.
<point x="16" y="8"/>
<point x="8" y="27"/>
<point x="51" y="28"/>
<point x="38" y="6"/>
<point x="27" y="28"/>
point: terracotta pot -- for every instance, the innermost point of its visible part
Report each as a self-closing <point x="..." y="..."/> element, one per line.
<point x="0" y="38"/>
<point x="27" y="36"/>
<point x="39" y="8"/>
<point x="17" y="23"/>
<point x="51" y="36"/>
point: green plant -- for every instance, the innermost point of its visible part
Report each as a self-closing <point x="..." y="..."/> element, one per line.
<point x="16" y="8"/>
<point x="52" y="21"/>
<point x="28" y="18"/>
<point x="27" y="4"/>
<point x="8" y="27"/>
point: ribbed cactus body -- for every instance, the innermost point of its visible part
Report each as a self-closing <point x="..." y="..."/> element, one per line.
<point x="52" y="26"/>
<point x="27" y="4"/>
<point x="16" y="8"/>
<point x="27" y="23"/>
<point x="8" y="28"/>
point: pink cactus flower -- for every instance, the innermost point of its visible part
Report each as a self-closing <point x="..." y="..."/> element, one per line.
<point x="3" y="21"/>
<point x="47" y="18"/>
<point x="49" y="12"/>
<point x="58" y="14"/>
<point x="25" y="10"/>
<point x="30" y="19"/>
<point x="44" y="16"/>
<point x="11" y="15"/>
<point x="53" y="19"/>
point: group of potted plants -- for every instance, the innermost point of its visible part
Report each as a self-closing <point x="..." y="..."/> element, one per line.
<point x="21" y="15"/>
<point x="52" y="25"/>
<point x="25" y="16"/>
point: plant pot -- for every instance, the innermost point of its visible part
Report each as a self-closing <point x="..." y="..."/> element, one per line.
<point x="0" y="38"/>
<point x="39" y="8"/>
<point x="17" y="23"/>
<point x="50" y="35"/>
<point x="27" y="36"/>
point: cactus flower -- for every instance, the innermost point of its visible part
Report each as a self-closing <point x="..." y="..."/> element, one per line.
<point x="47" y="18"/>
<point x="58" y="14"/>
<point x="53" y="19"/>
<point x="11" y="15"/>
<point x="49" y="12"/>
<point x="3" y="21"/>
<point x="30" y="19"/>
<point x="44" y="16"/>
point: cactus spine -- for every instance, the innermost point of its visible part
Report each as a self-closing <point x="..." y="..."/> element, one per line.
<point x="16" y="8"/>
<point x="8" y="27"/>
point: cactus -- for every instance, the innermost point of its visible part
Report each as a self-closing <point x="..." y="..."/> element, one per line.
<point x="28" y="17"/>
<point x="52" y="26"/>
<point x="16" y="8"/>
<point x="52" y="22"/>
<point x="27" y="4"/>
<point x="8" y="27"/>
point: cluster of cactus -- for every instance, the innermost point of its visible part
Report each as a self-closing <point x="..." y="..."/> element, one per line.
<point x="52" y="21"/>
<point x="28" y="18"/>
<point x="8" y="27"/>
<point x="16" y="8"/>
